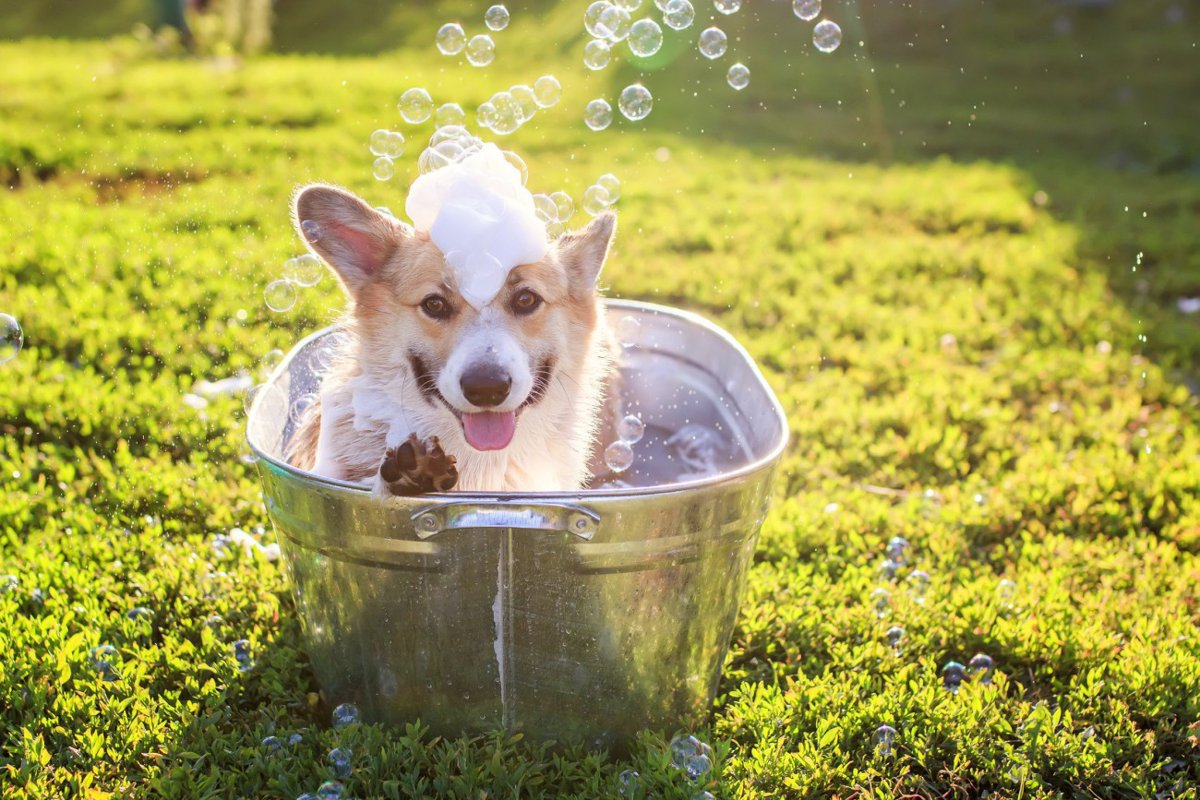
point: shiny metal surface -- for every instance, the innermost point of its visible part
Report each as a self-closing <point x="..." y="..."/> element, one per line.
<point x="582" y="616"/>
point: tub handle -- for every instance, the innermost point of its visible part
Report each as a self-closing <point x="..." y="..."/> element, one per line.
<point x="575" y="520"/>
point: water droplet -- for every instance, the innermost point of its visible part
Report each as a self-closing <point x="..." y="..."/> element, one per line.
<point x="280" y="295"/>
<point x="713" y="43"/>
<point x="806" y="10"/>
<point x="918" y="585"/>
<point x="980" y="667"/>
<point x="596" y="54"/>
<point x="330" y="790"/>
<point x="678" y="14"/>
<point x="345" y="714"/>
<point x="618" y="456"/>
<point x="339" y="761"/>
<point x="628" y="331"/>
<point x="953" y="675"/>
<point x="597" y="115"/>
<point x="881" y="602"/>
<point x="383" y="169"/>
<point x="611" y="184"/>
<point x="481" y="50"/>
<point x="595" y="200"/>
<point x="727" y="7"/>
<point x="635" y="102"/>
<point x="631" y="429"/>
<point x="897" y="549"/>
<point x="272" y="744"/>
<point x="564" y="204"/>
<point x="827" y="36"/>
<point x="885" y="736"/>
<point x="139" y="613"/>
<point x="547" y="91"/>
<point x="451" y="39"/>
<point x="627" y="783"/>
<point x="895" y="638"/>
<point x="738" y="76"/>
<point x="450" y="114"/>
<point x="645" y="38"/>
<point x="12" y="338"/>
<point x="416" y="105"/>
<point x="496" y="18"/>
<point x="305" y="270"/>
<point x="241" y="653"/>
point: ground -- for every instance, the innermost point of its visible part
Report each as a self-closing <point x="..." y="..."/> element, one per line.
<point x="956" y="246"/>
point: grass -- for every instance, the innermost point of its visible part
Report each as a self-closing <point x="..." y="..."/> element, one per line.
<point x="930" y="249"/>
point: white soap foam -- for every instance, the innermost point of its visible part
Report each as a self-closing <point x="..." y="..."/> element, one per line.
<point x="481" y="216"/>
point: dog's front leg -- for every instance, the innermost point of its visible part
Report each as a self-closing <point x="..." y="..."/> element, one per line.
<point x="416" y="467"/>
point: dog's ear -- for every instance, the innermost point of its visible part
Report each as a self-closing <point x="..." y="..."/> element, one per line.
<point x="582" y="253"/>
<point x="349" y="235"/>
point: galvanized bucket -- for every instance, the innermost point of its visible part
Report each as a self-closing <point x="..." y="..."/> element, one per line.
<point x="574" y="617"/>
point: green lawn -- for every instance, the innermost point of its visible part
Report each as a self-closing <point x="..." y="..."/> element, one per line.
<point x="956" y="250"/>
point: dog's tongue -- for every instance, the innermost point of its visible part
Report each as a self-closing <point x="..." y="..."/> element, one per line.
<point x="490" y="430"/>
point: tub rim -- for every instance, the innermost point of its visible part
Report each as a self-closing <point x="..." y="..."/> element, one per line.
<point x="766" y="461"/>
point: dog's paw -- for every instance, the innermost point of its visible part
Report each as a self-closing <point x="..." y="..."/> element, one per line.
<point x="417" y="467"/>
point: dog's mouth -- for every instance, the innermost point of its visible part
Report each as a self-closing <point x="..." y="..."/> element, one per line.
<point x="484" y="430"/>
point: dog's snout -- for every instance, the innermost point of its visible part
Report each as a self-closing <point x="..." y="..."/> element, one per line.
<point x="486" y="385"/>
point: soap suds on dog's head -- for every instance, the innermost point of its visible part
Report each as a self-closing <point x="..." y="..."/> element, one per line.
<point x="480" y="215"/>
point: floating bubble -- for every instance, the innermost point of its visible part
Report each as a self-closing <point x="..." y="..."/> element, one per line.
<point x="713" y="43"/>
<point x="387" y="143"/>
<point x="591" y="19"/>
<point x="738" y="76"/>
<point x="280" y="295"/>
<point x="451" y="39"/>
<point x="635" y="102"/>
<point x="139" y="612"/>
<point x="885" y="737"/>
<point x="597" y="115"/>
<point x="12" y="339"/>
<point x="214" y="622"/>
<point x="697" y="767"/>
<point x="415" y="105"/>
<point x="630" y="5"/>
<point x="627" y="783"/>
<point x="508" y="114"/>
<point x="519" y="164"/>
<point x="496" y="18"/>
<point x="918" y="585"/>
<point x="685" y="747"/>
<point x="485" y="115"/>
<point x="980" y="667"/>
<point x="806" y="10"/>
<point x="241" y="654"/>
<point x="100" y="658"/>
<point x="564" y="204"/>
<point x="645" y="38"/>
<point x="311" y="229"/>
<point x="307" y="796"/>
<point x="295" y="739"/>
<point x="383" y="169"/>
<point x="345" y="714"/>
<point x="705" y="795"/>
<point x="617" y="22"/>
<point x="595" y="200"/>
<point x="545" y="208"/>
<point x="827" y="36"/>
<point x="330" y="790"/>
<point x="611" y="184"/>
<point x="895" y="638"/>
<point x="339" y="761"/>
<point x="269" y="362"/>
<point x="555" y="230"/>
<point x="525" y="99"/>
<point x="481" y="50"/>
<point x="897" y="549"/>
<point x="888" y="568"/>
<point x="678" y="14"/>
<point x="631" y="429"/>
<point x="547" y="91"/>
<point x="9" y="583"/>
<point x="881" y="602"/>
<point x="618" y="456"/>
<point x="596" y="54"/>
<point x="1006" y="590"/>
<point x="628" y="330"/>
<point x="450" y="114"/>
<point x="272" y="744"/>
<point x="727" y="7"/>
<point x="953" y="675"/>
<point x="305" y="270"/>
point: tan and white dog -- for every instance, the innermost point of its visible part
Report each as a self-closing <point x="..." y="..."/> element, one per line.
<point x="430" y="393"/>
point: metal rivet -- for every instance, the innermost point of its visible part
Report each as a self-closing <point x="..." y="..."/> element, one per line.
<point x="581" y="523"/>
<point x="427" y="522"/>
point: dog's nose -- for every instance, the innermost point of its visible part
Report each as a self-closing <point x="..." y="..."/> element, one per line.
<point x="486" y="385"/>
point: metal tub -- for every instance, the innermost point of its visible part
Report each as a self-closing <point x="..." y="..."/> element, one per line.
<point x="575" y="617"/>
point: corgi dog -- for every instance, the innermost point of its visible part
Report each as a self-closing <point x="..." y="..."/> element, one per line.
<point x="429" y="392"/>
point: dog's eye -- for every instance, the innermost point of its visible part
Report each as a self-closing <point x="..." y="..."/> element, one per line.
<point x="526" y="301"/>
<point x="436" y="306"/>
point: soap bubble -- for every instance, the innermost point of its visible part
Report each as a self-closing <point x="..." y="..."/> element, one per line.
<point x="727" y="6"/>
<point x="496" y="18"/>
<point x="895" y="638"/>
<point x="630" y="5"/>
<point x="451" y="39"/>
<point x="738" y="76"/>
<point x="525" y="99"/>
<point x="485" y="115"/>
<point x="519" y="163"/>
<point x="595" y="200"/>
<point x="591" y="19"/>
<point x="685" y="747"/>
<point x="481" y="50"/>
<point x="678" y="14"/>
<point x="611" y="184"/>
<point x="339" y="760"/>
<point x="806" y="10"/>
<point x="897" y="549"/>
<point x="545" y="208"/>
<point x="981" y="666"/>
<point x="627" y="783"/>
<point x="311" y="229"/>
<point x="564" y="204"/>
<point x="547" y="91"/>
<point x="345" y="714"/>
<point x="138" y="612"/>
<point x="305" y="270"/>
<point x="100" y="658"/>
<point x="596" y="54"/>
<point x="618" y="456"/>
<point x="827" y="36"/>
<point x="387" y="143"/>
<point x="631" y="429"/>
<point x="383" y="169"/>
<point x="555" y="230"/>
<point x="645" y="38"/>
<point x="597" y="115"/>
<point x="450" y="114"/>
<point x="697" y="766"/>
<point x="885" y="736"/>
<point x="330" y="790"/>
<point x="214" y="622"/>
<point x="635" y="102"/>
<point x="1006" y="590"/>
<point x="713" y="43"/>
<point x="705" y="795"/>
<point x="616" y="21"/>
<point x="415" y="106"/>
<point x="888" y="568"/>
<point x="628" y="329"/>
<point x="280" y="295"/>
<point x="241" y="653"/>
<point x="952" y="675"/>
<point x="881" y="602"/>
<point x="508" y="114"/>
<point x="918" y="584"/>
<point x="272" y="744"/>
<point x="12" y="339"/>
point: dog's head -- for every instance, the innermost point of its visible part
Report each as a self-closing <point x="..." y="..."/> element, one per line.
<point x="481" y="366"/>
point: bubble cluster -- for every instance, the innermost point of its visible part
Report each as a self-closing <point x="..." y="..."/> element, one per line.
<point x="504" y="112"/>
<point x="827" y="36"/>
<point x="451" y="39"/>
<point x="496" y="18"/>
<point x="713" y="43"/>
<point x="12" y="339"/>
<point x="345" y="714"/>
<point x="597" y="114"/>
<point x="884" y="738"/>
<point x="635" y="102"/>
<point x="678" y="15"/>
<point x="691" y="755"/>
<point x="645" y="38"/>
<point x="618" y="456"/>
<point x="738" y="76"/>
<point x="806" y="10"/>
<point x="386" y="143"/>
<point x="280" y="295"/>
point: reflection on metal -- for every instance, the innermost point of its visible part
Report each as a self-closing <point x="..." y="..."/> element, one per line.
<point x="578" y="617"/>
